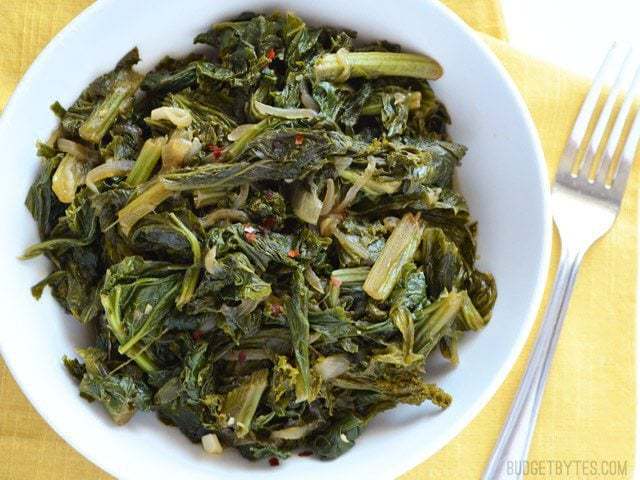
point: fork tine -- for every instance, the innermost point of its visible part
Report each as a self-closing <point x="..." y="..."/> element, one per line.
<point x="616" y="132"/>
<point x="605" y="115"/>
<point x="586" y="112"/>
<point x="621" y="174"/>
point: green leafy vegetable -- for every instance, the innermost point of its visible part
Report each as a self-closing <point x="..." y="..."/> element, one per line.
<point x="44" y="206"/>
<point x="264" y="237"/>
<point x="343" y="65"/>
<point x="338" y="439"/>
<point x="136" y="296"/>
<point x="120" y="394"/>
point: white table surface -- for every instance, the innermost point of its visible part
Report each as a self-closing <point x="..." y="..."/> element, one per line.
<point x="576" y="34"/>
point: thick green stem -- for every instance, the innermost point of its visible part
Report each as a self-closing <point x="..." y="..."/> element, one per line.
<point x="105" y="113"/>
<point x="190" y="279"/>
<point x="115" y="324"/>
<point x="237" y="147"/>
<point x="142" y="205"/>
<point x="350" y="276"/>
<point x="241" y="403"/>
<point x="341" y="66"/>
<point x="352" y="247"/>
<point x="204" y="198"/>
<point x="399" y="249"/>
<point x="373" y="186"/>
<point x="146" y="161"/>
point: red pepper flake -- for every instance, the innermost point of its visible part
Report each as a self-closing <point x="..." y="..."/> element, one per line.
<point x="276" y="309"/>
<point x="299" y="139"/>
<point x="271" y="54"/>
<point x="197" y="335"/>
<point x="269" y="223"/>
<point x="242" y="356"/>
<point x="215" y="150"/>
<point x="274" y="462"/>
<point x="335" y="282"/>
<point x="305" y="453"/>
<point x="293" y="253"/>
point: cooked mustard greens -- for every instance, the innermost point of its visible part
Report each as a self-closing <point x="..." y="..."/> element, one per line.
<point x="264" y="236"/>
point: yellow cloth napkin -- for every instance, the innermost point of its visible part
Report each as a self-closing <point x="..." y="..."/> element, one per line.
<point x="588" y="411"/>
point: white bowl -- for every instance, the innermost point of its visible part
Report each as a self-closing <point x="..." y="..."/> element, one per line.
<point x="503" y="178"/>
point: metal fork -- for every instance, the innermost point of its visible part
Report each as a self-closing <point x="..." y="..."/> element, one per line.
<point x="585" y="205"/>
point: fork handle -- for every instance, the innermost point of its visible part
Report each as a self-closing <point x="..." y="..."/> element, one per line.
<point x="513" y="444"/>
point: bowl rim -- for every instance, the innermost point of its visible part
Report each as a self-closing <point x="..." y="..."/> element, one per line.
<point x="414" y="457"/>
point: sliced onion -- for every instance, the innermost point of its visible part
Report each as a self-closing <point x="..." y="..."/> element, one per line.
<point x="70" y="174"/>
<point x="244" y="308"/>
<point x="179" y="149"/>
<point x="174" y="153"/>
<point x="108" y="170"/>
<point x="306" y="205"/>
<point x="390" y="222"/>
<point x="79" y="151"/>
<point x="211" y="444"/>
<point x="329" y="198"/>
<point x="332" y="366"/>
<point x="178" y="116"/>
<point x="288" y="113"/>
<point x="295" y="433"/>
<point x="210" y="260"/>
<point x="237" y="132"/>
<point x="241" y="197"/>
<point x="224" y="214"/>
<point x="328" y="225"/>
<point x="342" y="163"/>
<point x="196" y="146"/>
<point x="306" y="98"/>
<point x="312" y="279"/>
